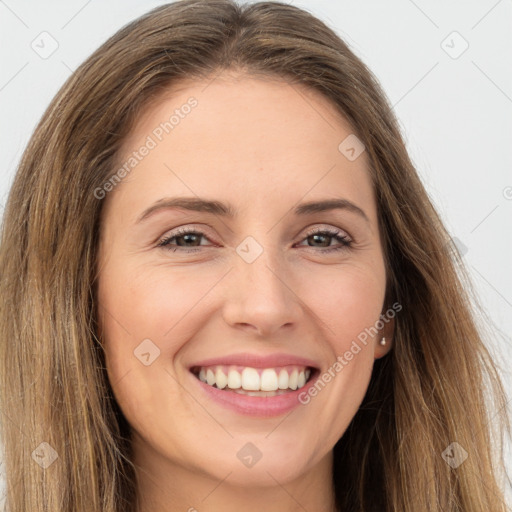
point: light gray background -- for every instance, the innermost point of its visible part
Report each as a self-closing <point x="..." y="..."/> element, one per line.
<point x="455" y="110"/>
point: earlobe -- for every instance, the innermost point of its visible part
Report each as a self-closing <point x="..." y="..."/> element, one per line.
<point x="382" y="347"/>
<point x="384" y="340"/>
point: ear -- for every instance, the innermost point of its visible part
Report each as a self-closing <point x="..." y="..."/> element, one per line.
<point x="387" y="332"/>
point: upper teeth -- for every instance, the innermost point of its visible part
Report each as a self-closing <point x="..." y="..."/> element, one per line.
<point x="252" y="379"/>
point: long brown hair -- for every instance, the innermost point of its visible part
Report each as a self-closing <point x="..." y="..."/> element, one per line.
<point x="438" y="385"/>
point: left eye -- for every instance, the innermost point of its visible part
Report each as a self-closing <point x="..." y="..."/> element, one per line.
<point x="191" y="240"/>
<point x="184" y="234"/>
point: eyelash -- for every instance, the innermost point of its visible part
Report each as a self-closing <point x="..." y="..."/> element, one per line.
<point x="345" y="241"/>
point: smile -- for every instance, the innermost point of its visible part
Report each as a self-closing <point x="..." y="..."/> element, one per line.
<point x="254" y="381"/>
<point x="255" y="384"/>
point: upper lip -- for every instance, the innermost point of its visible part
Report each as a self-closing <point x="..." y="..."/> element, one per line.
<point x="257" y="361"/>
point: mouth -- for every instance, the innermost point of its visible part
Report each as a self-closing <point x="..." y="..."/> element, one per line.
<point x="256" y="382"/>
<point x="255" y="385"/>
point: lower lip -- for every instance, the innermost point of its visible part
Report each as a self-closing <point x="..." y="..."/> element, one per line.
<point x="262" y="406"/>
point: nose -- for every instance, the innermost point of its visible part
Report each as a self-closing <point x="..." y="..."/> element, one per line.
<point x="261" y="299"/>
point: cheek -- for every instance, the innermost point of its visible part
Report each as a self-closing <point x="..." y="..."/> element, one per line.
<point x="142" y="318"/>
<point x="347" y="299"/>
<point x="347" y="304"/>
<point x="156" y="304"/>
<point x="146" y="317"/>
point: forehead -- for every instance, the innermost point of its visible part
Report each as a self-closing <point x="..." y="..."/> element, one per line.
<point x="249" y="140"/>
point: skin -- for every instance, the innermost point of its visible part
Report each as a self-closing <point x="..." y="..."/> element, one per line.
<point x="263" y="146"/>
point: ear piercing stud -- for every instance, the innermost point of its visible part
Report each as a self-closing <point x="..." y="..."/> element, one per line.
<point x="383" y="341"/>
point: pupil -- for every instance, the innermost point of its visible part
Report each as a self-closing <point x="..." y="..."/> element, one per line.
<point x="187" y="237"/>
<point x="319" y="236"/>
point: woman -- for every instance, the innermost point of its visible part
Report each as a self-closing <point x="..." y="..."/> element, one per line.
<point x="180" y="342"/>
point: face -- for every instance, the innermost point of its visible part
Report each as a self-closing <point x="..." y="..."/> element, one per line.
<point x="221" y="330"/>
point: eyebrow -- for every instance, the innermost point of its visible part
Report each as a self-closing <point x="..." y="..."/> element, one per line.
<point x="227" y="210"/>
